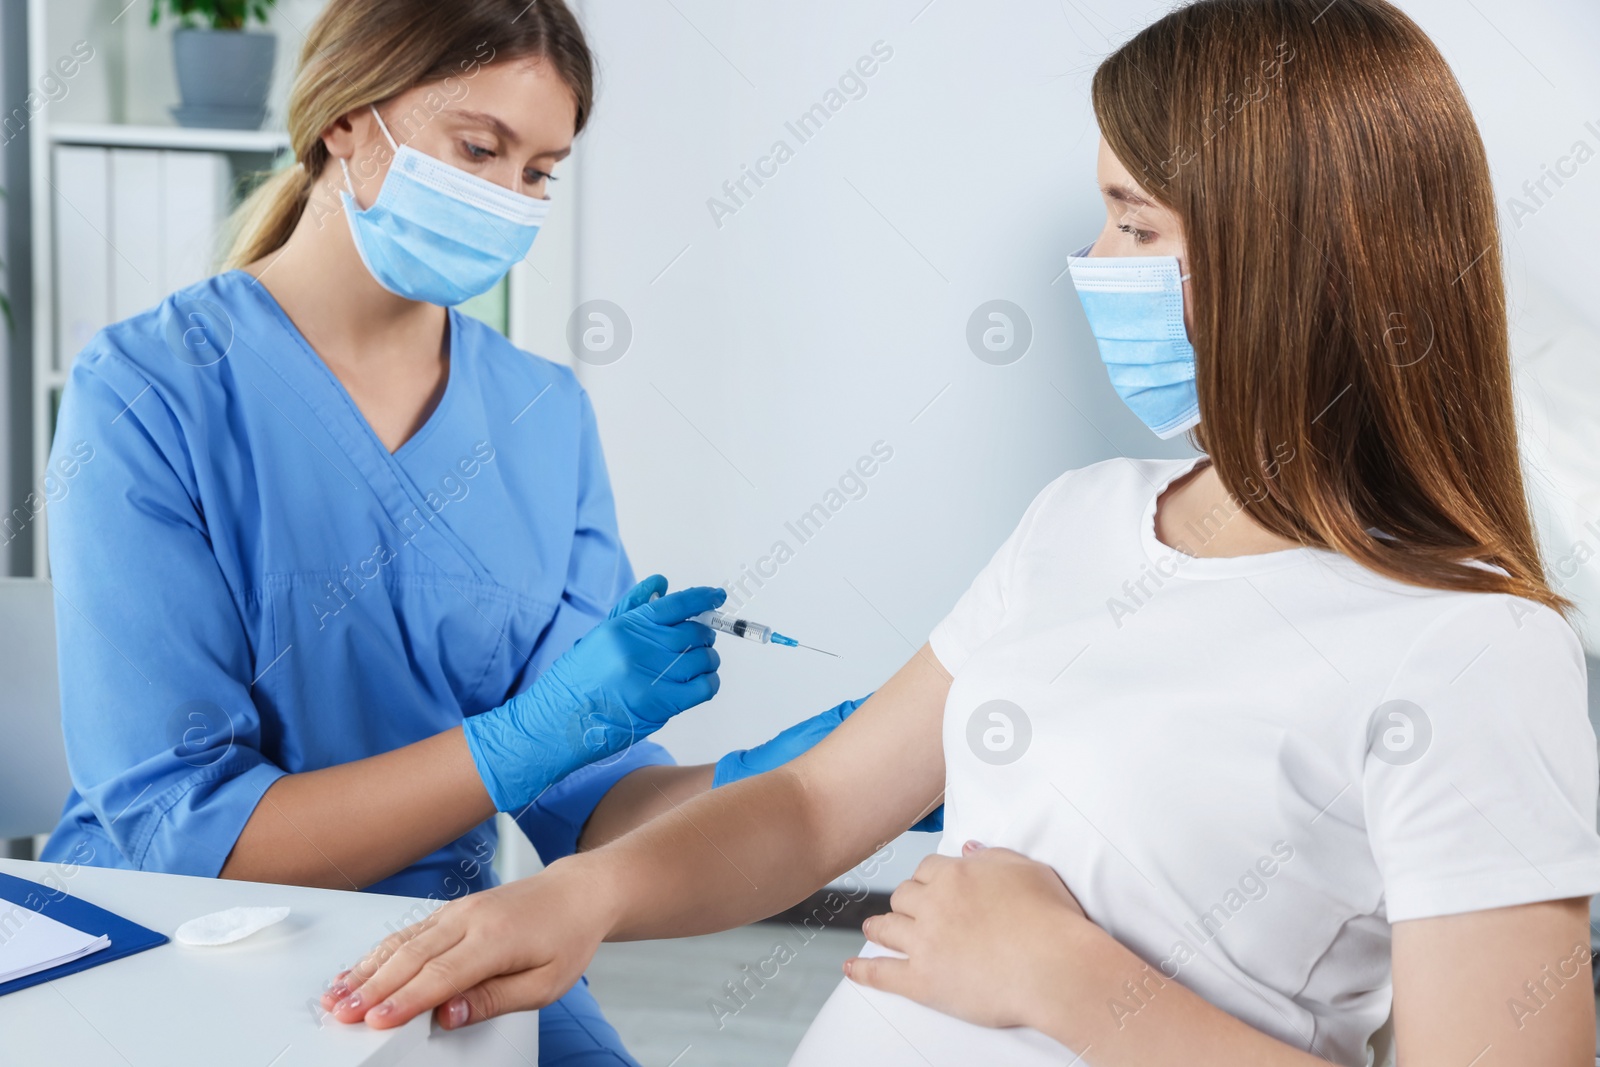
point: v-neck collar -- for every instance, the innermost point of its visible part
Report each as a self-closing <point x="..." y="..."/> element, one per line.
<point x="305" y="372"/>
<point x="436" y="416"/>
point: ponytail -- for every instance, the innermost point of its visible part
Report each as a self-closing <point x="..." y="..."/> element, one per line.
<point x="263" y="223"/>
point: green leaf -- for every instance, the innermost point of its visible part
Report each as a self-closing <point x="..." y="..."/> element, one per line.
<point x="218" y="14"/>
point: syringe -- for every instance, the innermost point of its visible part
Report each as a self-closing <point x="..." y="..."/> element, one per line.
<point x="751" y="631"/>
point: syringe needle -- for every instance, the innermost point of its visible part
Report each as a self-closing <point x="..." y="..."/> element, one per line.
<point x="789" y="642"/>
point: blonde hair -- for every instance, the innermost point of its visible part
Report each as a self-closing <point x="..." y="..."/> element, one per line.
<point x="363" y="52"/>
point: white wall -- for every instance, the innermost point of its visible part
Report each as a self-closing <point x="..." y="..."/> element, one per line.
<point x="772" y="350"/>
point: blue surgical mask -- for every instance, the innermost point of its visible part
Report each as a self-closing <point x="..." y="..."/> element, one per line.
<point x="436" y="233"/>
<point x="1135" y="309"/>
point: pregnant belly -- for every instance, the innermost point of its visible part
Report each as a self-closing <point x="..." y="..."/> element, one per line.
<point x="860" y="1025"/>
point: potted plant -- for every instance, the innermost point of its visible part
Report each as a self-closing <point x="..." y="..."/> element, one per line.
<point x="224" y="70"/>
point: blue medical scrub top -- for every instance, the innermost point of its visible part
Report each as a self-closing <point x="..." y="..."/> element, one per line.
<point x="249" y="584"/>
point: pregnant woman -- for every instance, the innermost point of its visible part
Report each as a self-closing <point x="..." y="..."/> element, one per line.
<point x="1266" y="747"/>
<point x="322" y="583"/>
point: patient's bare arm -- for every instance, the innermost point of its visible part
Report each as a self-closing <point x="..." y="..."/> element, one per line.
<point x="716" y="861"/>
<point x="755" y="847"/>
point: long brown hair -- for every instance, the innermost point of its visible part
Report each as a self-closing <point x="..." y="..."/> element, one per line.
<point x="362" y="52"/>
<point x="1349" y="312"/>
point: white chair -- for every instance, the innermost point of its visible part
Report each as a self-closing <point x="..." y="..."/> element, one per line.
<point x="33" y="761"/>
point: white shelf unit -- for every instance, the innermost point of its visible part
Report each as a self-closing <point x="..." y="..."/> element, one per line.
<point x="120" y="135"/>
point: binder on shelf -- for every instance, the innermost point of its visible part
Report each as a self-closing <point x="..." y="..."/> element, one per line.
<point x="195" y="202"/>
<point x="127" y="938"/>
<point x="136" y="232"/>
<point x="83" y="258"/>
<point x="132" y="226"/>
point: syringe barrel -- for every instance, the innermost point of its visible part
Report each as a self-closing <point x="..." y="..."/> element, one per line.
<point x="750" y="631"/>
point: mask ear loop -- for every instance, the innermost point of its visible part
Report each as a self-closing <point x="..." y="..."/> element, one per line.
<point x="384" y="127"/>
<point x="387" y="136"/>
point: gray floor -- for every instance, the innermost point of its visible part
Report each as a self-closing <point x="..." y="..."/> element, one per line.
<point x="660" y="995"/>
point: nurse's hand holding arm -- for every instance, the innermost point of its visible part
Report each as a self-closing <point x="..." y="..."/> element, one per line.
<point x="744" y="763"/>
<point x="651" y="791"/>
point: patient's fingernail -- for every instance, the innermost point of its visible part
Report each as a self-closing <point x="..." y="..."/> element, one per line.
<point x="382" y="1011"/>
<point x="339" y="989"/>
<point x="456" y="1013"/>
<point x="849" y="965"/>
<point x="973" y="846"/>
<point x="350" y="1003"/>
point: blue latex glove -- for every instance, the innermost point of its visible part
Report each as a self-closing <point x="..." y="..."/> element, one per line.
<point x="619" y="684"/>
<point x="747" y="762"/>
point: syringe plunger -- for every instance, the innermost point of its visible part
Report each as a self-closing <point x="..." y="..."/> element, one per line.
<point x="750" y="631"/>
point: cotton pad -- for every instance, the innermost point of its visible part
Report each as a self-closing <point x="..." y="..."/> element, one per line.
<point x="226" y="927"/>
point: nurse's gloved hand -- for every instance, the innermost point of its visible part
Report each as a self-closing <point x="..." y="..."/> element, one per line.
<point x="799" y="738"/>
<point x="618" y="685"/>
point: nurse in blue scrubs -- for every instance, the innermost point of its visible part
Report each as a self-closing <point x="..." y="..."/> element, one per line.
<point x="340" y="576"/>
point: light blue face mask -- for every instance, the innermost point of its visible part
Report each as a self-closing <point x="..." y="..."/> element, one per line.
<point x="1135" y="309"/>
<point x="436" y="233"/>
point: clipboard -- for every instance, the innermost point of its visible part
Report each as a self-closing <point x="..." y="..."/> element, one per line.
<point x="127" y="938"/>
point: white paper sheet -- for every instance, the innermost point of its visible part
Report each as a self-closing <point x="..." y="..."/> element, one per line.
<point x="31" y="942"/>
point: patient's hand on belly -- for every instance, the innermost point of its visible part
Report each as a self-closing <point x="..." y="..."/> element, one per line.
<point x="993" y="937"/>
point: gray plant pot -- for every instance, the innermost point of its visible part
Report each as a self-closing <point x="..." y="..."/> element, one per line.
<point x="223" y="77"/>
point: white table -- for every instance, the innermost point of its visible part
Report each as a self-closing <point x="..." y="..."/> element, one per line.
<point x="250" y="1004"/>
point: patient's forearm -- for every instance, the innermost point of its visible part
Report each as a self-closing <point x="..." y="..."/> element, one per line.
<point x="641" y="796"/>
<point x="719" y="861"/>
<point x="755" y="847"/>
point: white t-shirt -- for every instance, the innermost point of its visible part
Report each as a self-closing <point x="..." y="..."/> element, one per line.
<point x="1186" y="741"/>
